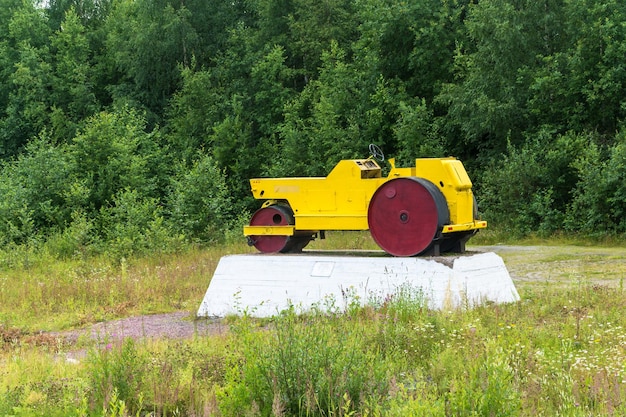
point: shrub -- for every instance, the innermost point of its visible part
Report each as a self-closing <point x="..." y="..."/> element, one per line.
<point x="199" y="201"/>
<point x="75" y="240"/>
<point x="599" y="202"/>
<point x="115" y="153"/>
<point x="134" y="225"/>
<point x="33" y="188"/>
<point x="415" y="134"/>
<point x="530" y="188"/>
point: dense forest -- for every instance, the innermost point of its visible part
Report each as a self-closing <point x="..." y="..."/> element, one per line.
<point x="134" y="125"/>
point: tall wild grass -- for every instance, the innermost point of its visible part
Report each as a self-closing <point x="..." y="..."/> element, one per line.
<point x="560" y="351"/>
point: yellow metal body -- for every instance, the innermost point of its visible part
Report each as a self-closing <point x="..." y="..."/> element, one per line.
<point x="340" y="200"/>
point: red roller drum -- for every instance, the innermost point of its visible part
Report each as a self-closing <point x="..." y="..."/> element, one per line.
<point x="275" y="215"/>
<point x="405" y="215"/>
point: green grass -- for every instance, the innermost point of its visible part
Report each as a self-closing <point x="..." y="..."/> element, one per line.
<point x="561" y="350"/>
<point x="46" y="294"/>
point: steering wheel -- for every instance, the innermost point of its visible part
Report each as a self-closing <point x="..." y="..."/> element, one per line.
<point x="376" y="152"/>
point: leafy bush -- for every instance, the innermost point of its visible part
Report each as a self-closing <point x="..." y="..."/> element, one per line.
<point x="33" y="190"/>
<point x="77" y="239"/>
<point x="199" y="201"/>
<point x="134" y="225"/>
<point x="529" y="188"/>
<point x="115" y="153"/>
<point x="415" y="134"/>
<point x="599" y="202"/>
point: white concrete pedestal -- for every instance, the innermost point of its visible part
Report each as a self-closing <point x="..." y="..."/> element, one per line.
<point x="263" y="285"/>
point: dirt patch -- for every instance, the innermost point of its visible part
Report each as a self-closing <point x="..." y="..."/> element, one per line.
<point x="177" y="325"/>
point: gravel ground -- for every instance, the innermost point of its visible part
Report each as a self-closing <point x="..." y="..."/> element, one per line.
<point x="178" y="325"/>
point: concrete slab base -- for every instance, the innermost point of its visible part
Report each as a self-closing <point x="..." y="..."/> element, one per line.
<point x="263" y="285"/>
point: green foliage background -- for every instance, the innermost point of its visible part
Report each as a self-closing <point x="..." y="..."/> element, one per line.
<point x="135" y="125"/>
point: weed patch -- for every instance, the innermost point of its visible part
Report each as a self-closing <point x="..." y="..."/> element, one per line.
<point x="560" y="350"/>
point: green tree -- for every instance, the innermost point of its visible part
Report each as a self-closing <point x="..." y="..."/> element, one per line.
<point x="487" y="106"/>
<point x="530" y="187"/>
<point x="581" y="86"/>
<point x="115" y="153"/>
<point x="416" y="134"/>
<point x="212" y="22"/>
<point x="28" y="107"/>
<point x="34" y="192"/>
<point x="323" y="124"/>
<point x="195" y="108"/>
<point x="91" y="13"/>
<point x="272" y="20"/>
<point x="25" y="57"/>
<point x="599" y="198"/>
<point x="73" y="97"/>
<point x="414" y="42"/>
<point x="8" y="51"/>
<point x="270" y="78"/>
<point x="338" y="115"/>
<point x="233" y="110"/>
<point x="200" y="202"/>
<point x="147" y="41"/>
<point x="240" y="154"/>
<point x="314" y="25"/>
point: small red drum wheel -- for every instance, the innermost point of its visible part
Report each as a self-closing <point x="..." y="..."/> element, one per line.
<point x="274" y="215"/>
<point x="405" y="215"/>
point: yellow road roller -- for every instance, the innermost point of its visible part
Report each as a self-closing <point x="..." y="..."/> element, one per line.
<point x="426" y="209"/>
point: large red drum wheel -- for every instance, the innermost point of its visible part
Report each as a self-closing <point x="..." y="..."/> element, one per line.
<point x="406" y="215"/>
<point x="276" y="215"/>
